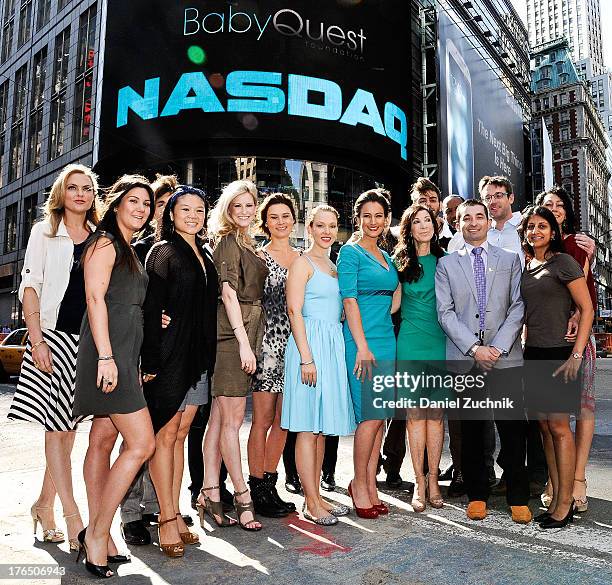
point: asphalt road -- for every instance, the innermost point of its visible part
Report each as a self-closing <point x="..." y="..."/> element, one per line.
<point x="438" y="546"/>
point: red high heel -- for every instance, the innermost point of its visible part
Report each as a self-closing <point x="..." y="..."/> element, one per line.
<point x="381" y="508"/>
<point x="369" y="513"/>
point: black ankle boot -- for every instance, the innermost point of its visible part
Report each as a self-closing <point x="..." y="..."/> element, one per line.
<point x="271" y="479"/>
<point x="263" y="500"/>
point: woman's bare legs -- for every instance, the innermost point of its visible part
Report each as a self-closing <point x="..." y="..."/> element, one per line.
<point x="549" y="453"/>
<point x="187" y="417"/>
<point x="434" y="440"/>
<point x="308" y="461"/>
<point x="565" y="460"/>
<point x="231" y="409"/>
<point x="585" y="429"/>
<point x="373" y="465"/>
<point x="363" y="445"/>
<point x="138" y="446"/>
<point x="58" y="449"/>
<point x="102" y="438"/>
<point x="277" y="437"/>
<point x="161" y="468"/>
<point x="212" y="454"/>
<point x="45" y="503"/>
<point x="264" y="410"/>
<point x="416" y="425"/>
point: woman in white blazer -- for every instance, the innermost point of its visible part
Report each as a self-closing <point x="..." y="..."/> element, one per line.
<point x="52" y="293"/>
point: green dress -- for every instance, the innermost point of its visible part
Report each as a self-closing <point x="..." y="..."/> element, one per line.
<point x="420" y="337"/>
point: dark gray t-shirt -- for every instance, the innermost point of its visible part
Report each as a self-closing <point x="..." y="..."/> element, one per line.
<point x="548" y="302"/>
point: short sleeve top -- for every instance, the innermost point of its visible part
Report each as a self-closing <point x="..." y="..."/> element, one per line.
<point x="548" y="302"/>
<point x="241" y="268"/>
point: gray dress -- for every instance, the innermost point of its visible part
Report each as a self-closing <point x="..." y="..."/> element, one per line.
<point x="124" y="299"/>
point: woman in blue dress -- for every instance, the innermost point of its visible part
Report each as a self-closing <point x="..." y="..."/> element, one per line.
<point x="317" y="399"/>
<point x="370" y="291"/>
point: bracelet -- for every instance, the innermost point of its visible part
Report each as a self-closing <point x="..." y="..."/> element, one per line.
<point x="38" y="343"/>
<point x="306" y="363"/>
<point x="239" y="326"/>
<point x="106" y="358"/>
<point x="30" y="314"/>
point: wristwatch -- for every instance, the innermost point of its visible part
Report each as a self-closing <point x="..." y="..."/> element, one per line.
<point x="577" y="356"/>
<point x="472" y="351"/>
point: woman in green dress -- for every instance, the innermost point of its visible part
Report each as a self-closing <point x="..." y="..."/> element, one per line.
<point x="420" y="340"/>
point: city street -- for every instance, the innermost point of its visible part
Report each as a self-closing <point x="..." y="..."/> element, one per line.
<point x="438" y="546"/>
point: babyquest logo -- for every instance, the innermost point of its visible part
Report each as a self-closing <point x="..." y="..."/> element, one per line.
<point x="287" y="22"/>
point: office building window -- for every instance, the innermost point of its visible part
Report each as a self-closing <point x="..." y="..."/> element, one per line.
<point x="4" y="94"/>
<point x="81" y="119"/>
<point x="58" y="94"/>
<point x="10" y="228"/>
<point x="35" y="139"/>
<point x="9" y="9"/>
<point x="39" y="76"/>
<point x="44" y="12"/>
<point x="60" y="61"/>
<point x="20" y="93"/>
<point x="29" y="217"/>
<point x="16" y="154"/>
<point x="7" y="40"/>
<point x="2" y="157"/>
<point x="25" y="22"/>
<point x="61" y="4"/>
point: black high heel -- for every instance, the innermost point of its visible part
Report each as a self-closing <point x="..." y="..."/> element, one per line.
<point x="118" y="559"/>
<point x="100" y="571"/>
<point x="541" y="517"/>
<point x="550" y="522"/>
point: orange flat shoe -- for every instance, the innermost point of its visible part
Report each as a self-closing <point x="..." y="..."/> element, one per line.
<point x="521" y="514"/>
<point x="477" y="510"/>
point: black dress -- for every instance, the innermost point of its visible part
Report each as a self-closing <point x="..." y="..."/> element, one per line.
<point x="180" y="354"/>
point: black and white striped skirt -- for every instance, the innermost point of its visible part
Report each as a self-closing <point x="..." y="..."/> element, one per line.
<point x="48" y="398"/>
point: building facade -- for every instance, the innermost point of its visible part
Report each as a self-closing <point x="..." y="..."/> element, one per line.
<point x="579" y="21"/>
<point x="48" y="58"/>
<point x="579" y="144"/>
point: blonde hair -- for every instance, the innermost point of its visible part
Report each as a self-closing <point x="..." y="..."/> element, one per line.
<point x="220" y="223"/>
<point x="323" y="207"/>
<point x="53" y="207"/>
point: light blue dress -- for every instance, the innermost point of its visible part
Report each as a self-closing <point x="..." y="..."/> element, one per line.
<point x="362" y="277"/>
<point x="327" y="407"/>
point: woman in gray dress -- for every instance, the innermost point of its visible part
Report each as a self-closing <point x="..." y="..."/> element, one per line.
<point x="108" y="382"/>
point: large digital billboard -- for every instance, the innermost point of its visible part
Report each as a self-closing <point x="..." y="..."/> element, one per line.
<point x="326" y="81"/>
<point x="481" y="125"/>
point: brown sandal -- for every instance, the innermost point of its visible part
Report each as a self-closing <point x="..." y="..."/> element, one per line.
<point x="189" y="537"/>
<point x="175" y="550"/>
<point x="246" y="507"/>
<point x="214" y="510"/>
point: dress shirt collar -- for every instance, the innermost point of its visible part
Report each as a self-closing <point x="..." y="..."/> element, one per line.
<point x="484" y="246"/>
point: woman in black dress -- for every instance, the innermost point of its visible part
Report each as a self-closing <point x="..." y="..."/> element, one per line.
<point x="177" y="362"/>
<point x="108" y="382"/>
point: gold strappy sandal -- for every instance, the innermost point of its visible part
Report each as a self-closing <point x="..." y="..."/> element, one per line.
<point x="54" y="535"/>
<point x="175" y="550"/>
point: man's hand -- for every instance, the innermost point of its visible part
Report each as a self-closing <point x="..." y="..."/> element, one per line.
<point x="486" y="357"/>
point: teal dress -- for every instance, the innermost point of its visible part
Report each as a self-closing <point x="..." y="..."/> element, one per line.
<point x="421" y="342"/>
<point x="362" y="277"/>
<point x="326" y="408"/>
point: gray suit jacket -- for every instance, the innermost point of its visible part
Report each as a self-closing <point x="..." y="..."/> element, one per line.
<point x="457" y="303"/>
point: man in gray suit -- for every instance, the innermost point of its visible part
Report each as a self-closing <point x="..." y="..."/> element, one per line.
<point x="481" y="311"/>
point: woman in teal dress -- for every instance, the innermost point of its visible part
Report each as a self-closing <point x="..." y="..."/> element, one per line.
<point x="420" y="344"/>
<point x="369" y="285"/>
<point x="316" y="399"/>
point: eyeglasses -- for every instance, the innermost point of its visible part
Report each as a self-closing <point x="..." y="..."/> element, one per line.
<point x="495" y="197"/>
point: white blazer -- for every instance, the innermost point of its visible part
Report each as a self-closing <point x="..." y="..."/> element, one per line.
<point x="46" y="269"/>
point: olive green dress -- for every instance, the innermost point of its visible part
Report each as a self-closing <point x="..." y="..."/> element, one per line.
<point x="246" y="273"/>
<point x="124" y="299"/>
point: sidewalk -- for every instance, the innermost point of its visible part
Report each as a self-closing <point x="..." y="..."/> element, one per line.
<point x="438" y="546"/>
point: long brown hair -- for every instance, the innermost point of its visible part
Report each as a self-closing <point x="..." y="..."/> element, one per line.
<point x="108" y="224"/>
<point x="406" y="257"/>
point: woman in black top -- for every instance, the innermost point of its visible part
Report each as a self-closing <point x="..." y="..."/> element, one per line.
<point x="177" y="362"/>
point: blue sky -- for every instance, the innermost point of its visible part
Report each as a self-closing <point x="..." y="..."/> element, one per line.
<point x="606" y="16"/>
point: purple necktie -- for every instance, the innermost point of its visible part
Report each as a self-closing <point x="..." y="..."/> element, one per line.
<point x="481" y="285"/>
